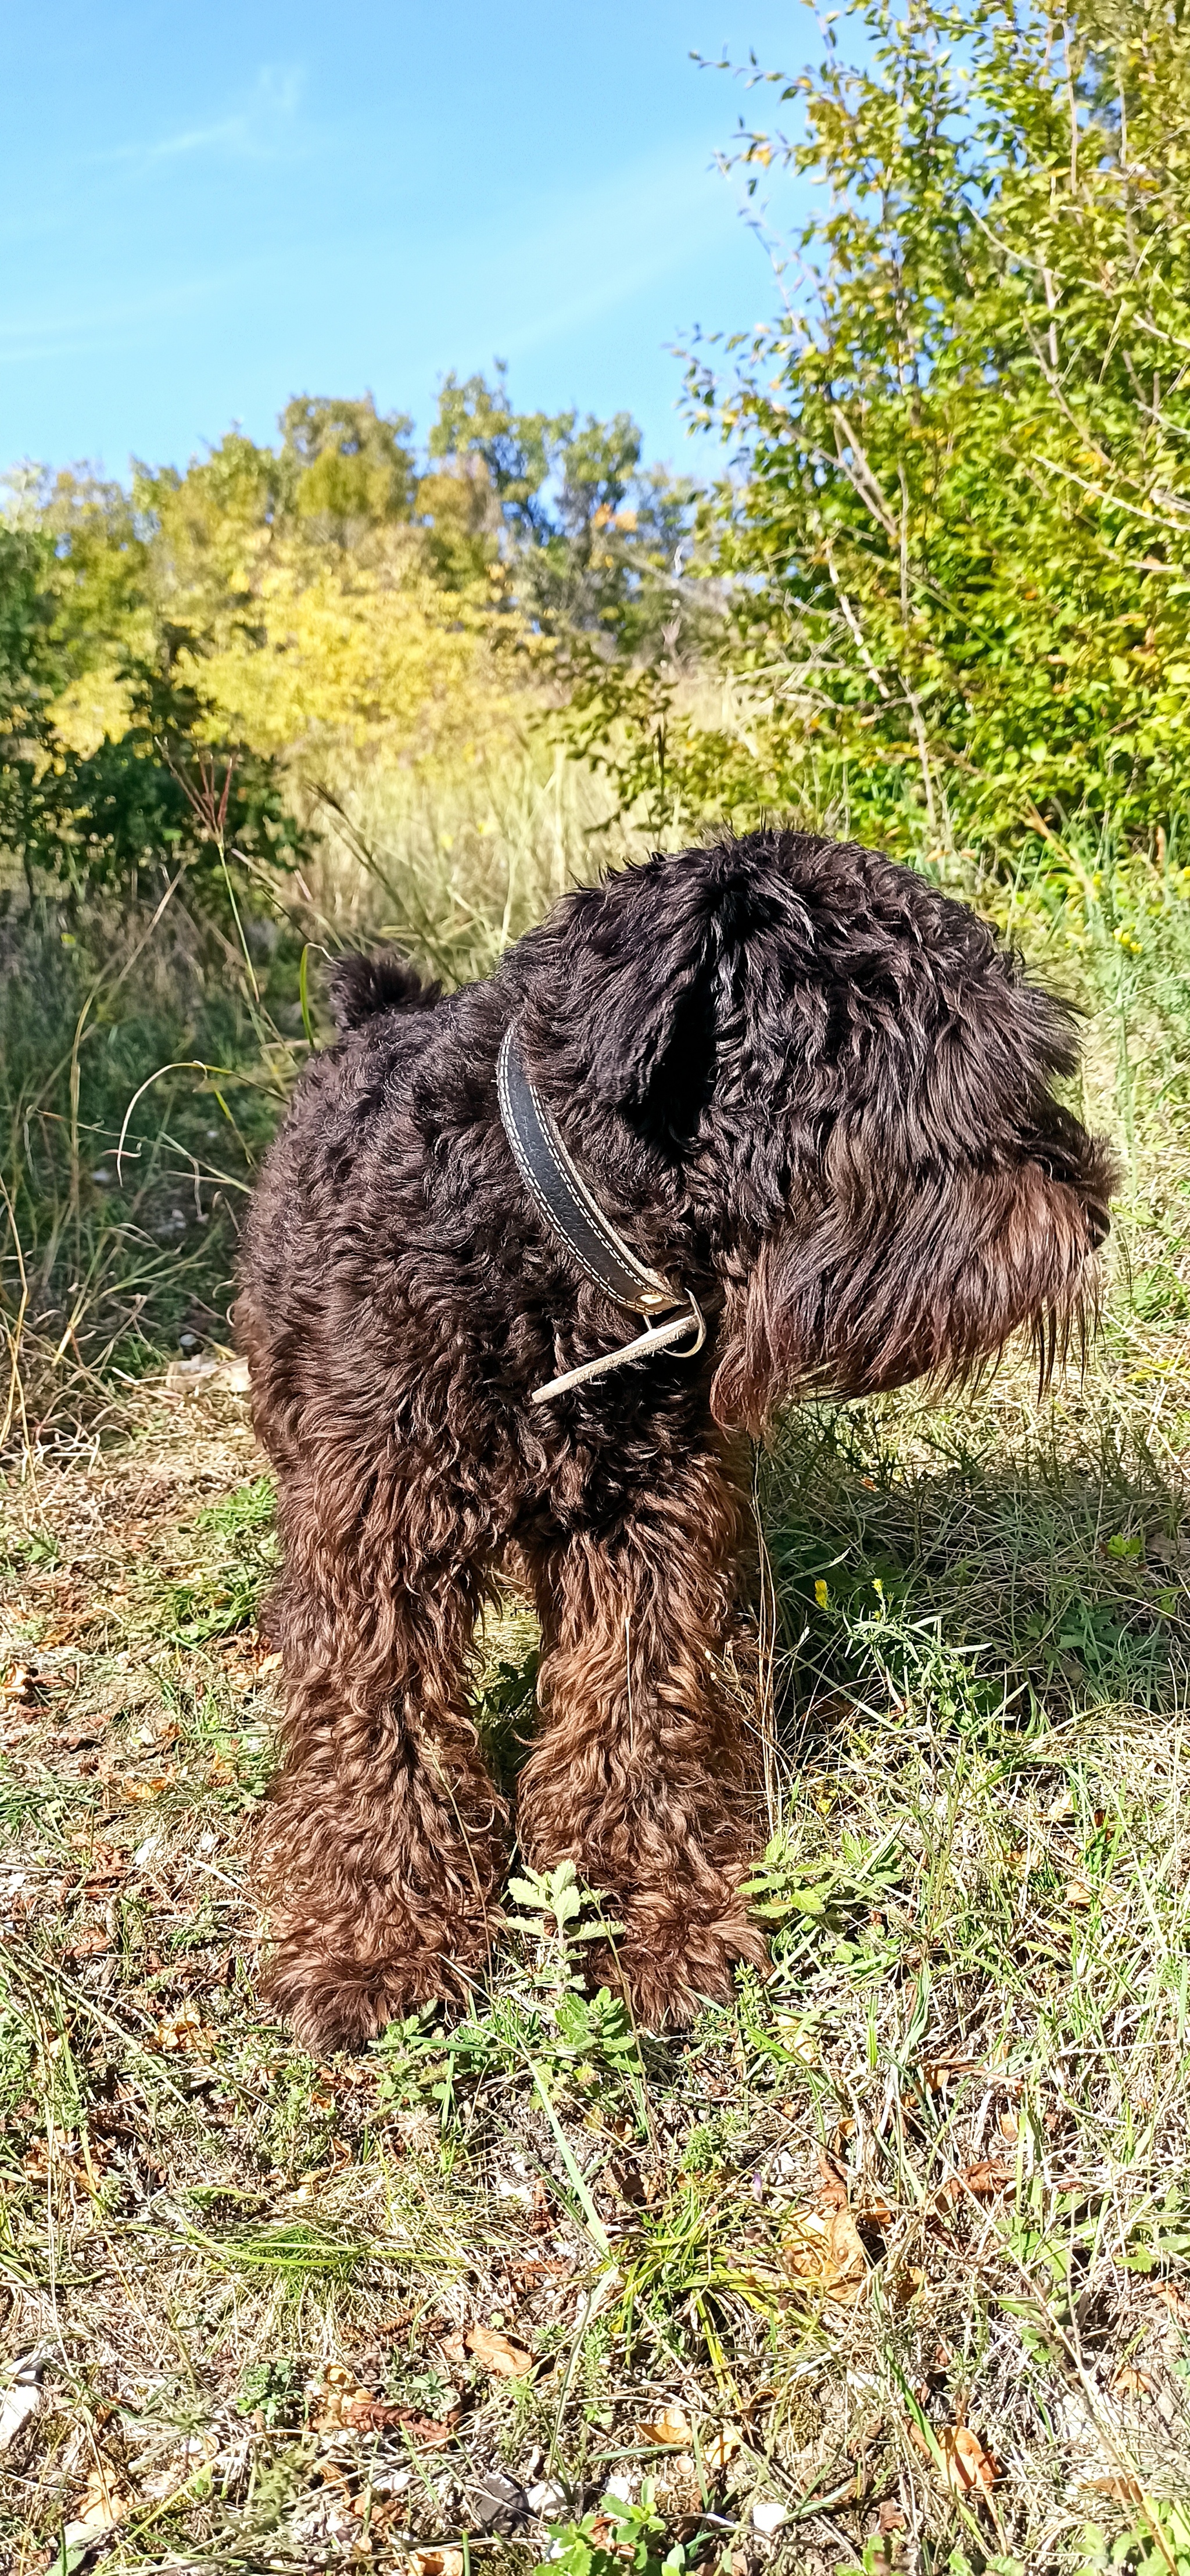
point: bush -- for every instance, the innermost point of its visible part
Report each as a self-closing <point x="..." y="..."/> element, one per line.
<point x="958" y="540"/>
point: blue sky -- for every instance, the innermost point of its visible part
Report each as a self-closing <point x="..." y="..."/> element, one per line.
<point x="204" y="210"/>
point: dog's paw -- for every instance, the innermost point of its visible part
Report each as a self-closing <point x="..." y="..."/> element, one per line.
<point x="333" y="2003"/>
<point x="669" y="1963"/>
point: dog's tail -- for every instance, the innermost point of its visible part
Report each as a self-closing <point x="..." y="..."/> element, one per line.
<point x="360" y="986"/>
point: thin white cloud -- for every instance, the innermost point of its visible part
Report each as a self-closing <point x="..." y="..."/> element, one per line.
<point x="579" y="258"/>
<point x="113" y="324"/>
<point x="252" y="131"/>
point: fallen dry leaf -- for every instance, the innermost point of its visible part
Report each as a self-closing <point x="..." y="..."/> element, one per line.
<point x="721" y="2448"/>
<point x="269" y="1664"/>
<point x="669" y="2426"/>
<point x="91" y="1939"/>
<point x="498" y="2353"/>
<point x="832" y="2172"/>
<point x="105" y="1868"/>
<point x="529" y="2275"/>
<point x="435" y="2562"/>
<point x="966" y="2464"/>
<point x="101" y="2506"/>
<point x="966" y="2467"/>
<point x="338" y="2386"/>
<point x="983" y="2181"/>
<point x="1080" y="1893"/>
<point x="990" y="2175"/>
<point x="1120" y="2489"/>
<point x="941" y="2071"/>
<point x="349" y="2408"/>
<point x="185" y="2033"/>
<point x="822" y="2247"/>
<point x="139" y="1791"/>
<point x="1132" y="2383"/>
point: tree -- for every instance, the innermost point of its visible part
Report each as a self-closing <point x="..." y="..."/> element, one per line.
<point x="591" y="542"/>
<point x="346" y="465"/>
<point x="957" y="537"/>
<point x="106" y="751"/>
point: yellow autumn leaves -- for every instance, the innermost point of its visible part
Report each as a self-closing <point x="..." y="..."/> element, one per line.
<point x="317" y="603"/>
<point x="368" y="656"/>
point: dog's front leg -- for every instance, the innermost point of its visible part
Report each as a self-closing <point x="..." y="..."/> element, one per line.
<point x="642" y="1775"/>
<point x="383" y="1842"/>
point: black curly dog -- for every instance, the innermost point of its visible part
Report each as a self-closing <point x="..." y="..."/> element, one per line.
<point x="810" y="1095"/>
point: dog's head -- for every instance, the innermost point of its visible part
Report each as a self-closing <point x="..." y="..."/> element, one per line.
<point x="848" y="1090"/>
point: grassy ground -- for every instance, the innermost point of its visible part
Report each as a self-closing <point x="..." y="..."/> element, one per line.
<point x="887" y="2267"/>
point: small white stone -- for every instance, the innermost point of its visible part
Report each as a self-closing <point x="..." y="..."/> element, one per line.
<point x="547" y="2498"/>
<point x="16" y="2407"/>
<point x="769" y="2516"/>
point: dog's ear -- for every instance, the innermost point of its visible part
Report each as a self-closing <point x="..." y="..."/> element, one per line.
<point x="625" y="1009"/>
<point x="694" y="976"/>
<point x="667" y="985"/>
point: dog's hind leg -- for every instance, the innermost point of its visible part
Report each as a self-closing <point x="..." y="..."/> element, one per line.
<point x="643" y="1775"/>
<point x="383" y="1842"/>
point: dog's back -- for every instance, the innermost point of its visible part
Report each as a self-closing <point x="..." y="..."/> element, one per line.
<point x="384" y="1014"/>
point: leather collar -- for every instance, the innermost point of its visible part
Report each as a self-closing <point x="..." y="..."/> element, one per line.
<point x="563" y="1200"/>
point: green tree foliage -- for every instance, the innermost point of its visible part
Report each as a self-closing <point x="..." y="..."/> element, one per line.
<point x="958" y="532"/>
<point x="112" y="807"/>
<point x="328" y="599"/>
<point x="30" y="672"/>
<point x="591" y="541"/>
<point x="117" y="819"/>
<point x="345" y="465"/>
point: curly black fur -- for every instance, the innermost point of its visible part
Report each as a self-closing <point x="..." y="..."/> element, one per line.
<point x="802" y="1083"/>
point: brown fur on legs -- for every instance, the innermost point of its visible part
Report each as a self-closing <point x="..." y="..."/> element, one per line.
<point x="642" y="1775"/>
<point x="803" y="1085"/>
<point x="384" y="1839"/>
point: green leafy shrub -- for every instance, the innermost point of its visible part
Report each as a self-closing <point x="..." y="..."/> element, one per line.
<point x="957" y="536"/>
